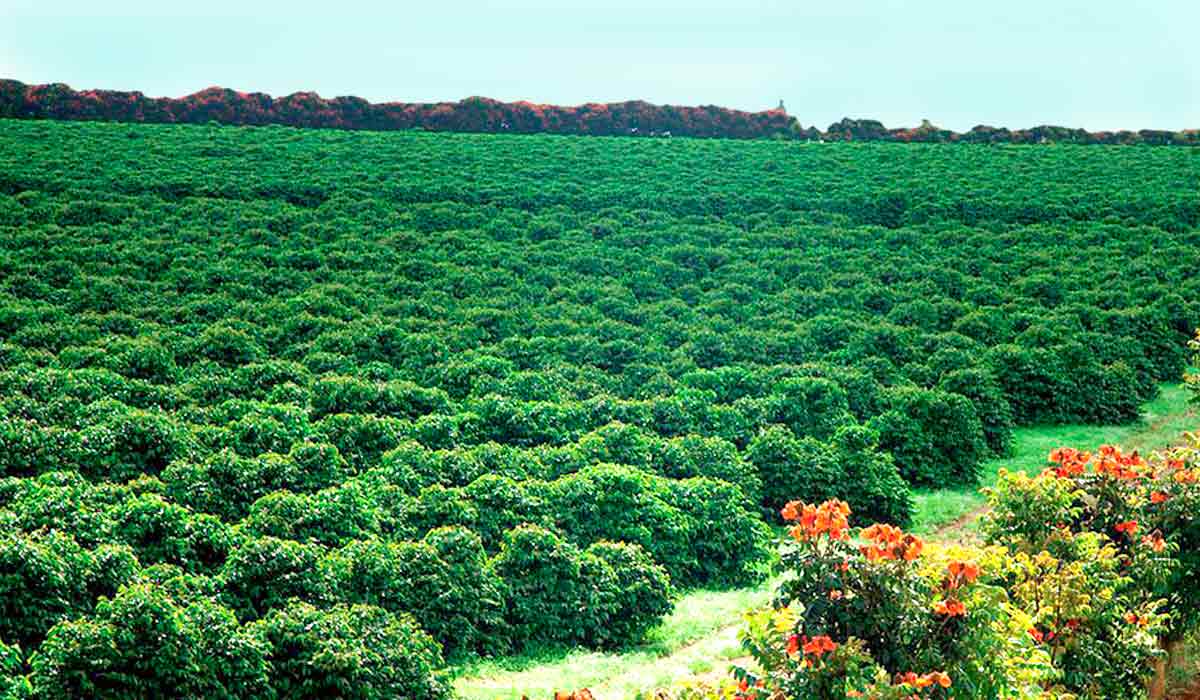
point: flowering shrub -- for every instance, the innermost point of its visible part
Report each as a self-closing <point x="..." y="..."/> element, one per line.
<point x="1103" y="558"/>
<point x="885" y="615"/>
<point x="1081" y="582"/>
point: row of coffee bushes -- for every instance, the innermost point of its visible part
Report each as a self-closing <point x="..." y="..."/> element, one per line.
<point x="173" y="598"/>
<point x="934" y="435"/>
<point x="699" y="529"/>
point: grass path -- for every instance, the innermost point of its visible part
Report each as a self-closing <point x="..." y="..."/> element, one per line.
<point x="700" y="637"/>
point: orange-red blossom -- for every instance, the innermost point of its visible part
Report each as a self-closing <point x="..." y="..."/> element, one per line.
<point x="951" y="607"/>
<point x="1108" y="461"/>
<point x="830" y="519"/>
<point x="888" y="542"/>
<point x="1187" y="476"/>
<point x="961" y="572"/>
<point x="1155" y="542"/>
<point x="925" y="681"/>
<point x="1070" y="461"/>
<point x="1129" y="527"/>
<point x="1112" y="462"/>
<point x="815" y="646"/>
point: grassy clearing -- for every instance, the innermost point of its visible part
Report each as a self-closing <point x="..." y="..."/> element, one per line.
<point x="696" y="635"/>
<point x="700" y="636"/>
<point x="1163" y="419"/>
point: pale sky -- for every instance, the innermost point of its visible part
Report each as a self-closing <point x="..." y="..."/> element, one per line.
<point x="1015" y="63"/>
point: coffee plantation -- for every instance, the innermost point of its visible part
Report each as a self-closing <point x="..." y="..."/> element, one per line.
<point x="299" y="413"/>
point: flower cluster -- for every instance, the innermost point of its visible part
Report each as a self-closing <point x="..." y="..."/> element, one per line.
<point x="927" y="680"/>
<point x="1155" y="542"/>
<point x="1127" y="527"/>
<point x="830" y="519"/>
<point x="813" y="647"/>
<point x="1112" y="462"/>
<point x="959" y="574"/>
<point x="887" y="542"/>
<point x="1071" y="462"/>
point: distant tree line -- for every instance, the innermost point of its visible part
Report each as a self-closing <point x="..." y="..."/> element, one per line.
<point x="482" y="114"/>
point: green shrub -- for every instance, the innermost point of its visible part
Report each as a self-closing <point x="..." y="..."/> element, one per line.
<point x="125" y="443"/>
<point x="548" y="594"/>
<point x="27" y="448"/>
<point x="985" y="394"/>
<point x="810" y="406"/>
<point x="61" y="501"/>
<point x="43" y="580"/>
<point x="499" y="505"/>
<point x="358" y="652"/>
<point x="228" y="344"/>
<point x="262" y="574"/>
<point x="142" y="358"/>
<point x="413" y="577"/>
<point x="362" y="440"/>
<point x="696" y="455"/>
<point x="727" y="543"/>
<point x="622" y="504"/>
<point x="849" y="467"/>
<point x="13" y="682"/>
<point x="330" y="517"/>
<point x="226" y="484"/>
<point x="873" y="482"/>
<point x="642" y="596"/>
<point x="146" y="643"/>
<point x="164" y="532"/>
<point x="794" y="468"/>
<point x="934" y="436"/>
<point x="477" y="620"/>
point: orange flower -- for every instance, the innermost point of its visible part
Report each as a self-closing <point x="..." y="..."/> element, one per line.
<point x="1135" y="619"/>
<point x="1071" y="462"/>
<point x="912" y="547"/>
<point x="888" y="542"/>
<point x="830" y="519"/>
<point x="925" y="681"/>
<point x="1158" y="497"/>
<point x="950" y="607"/>
<point x="961" y="572"/>
<point x="1129" y="527"/>
<point x="793" y="645"/>
<point x="1155" y="542"/>
<point x="819" y="645"/>
<point x="1119" y="465"/>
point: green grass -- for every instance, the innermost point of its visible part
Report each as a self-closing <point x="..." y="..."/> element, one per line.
<point x="1163" y="419"/>
<point x="695" y="634"/>
<point x="698" y="637"/>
